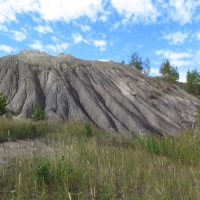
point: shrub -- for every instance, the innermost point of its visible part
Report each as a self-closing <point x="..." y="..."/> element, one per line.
<point x="39" y="113"/>
<point x="2" y="104"/>
<point x="143" y="66"/>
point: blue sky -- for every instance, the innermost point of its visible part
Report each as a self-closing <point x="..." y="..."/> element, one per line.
<point x="105" y="30"/>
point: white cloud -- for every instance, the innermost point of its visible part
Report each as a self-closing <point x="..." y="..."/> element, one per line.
<point x="154" y="71"/>
<point x="101" y="44"/>
<point x="85" y="28"/>
<point x="77" y="38"/>
<point x="182" y="74"/>
<point x="137" y="10"/>
<point x="7" y="48"/>
<point x="147" y="11"/>
<point x="115" y="26"/>
<point x="19" y="36"/>
<point x="3" y="28"/>
<point x="197" y="57"/>
<point x="176" y="37"/>
<point x="69" y="10"/>
<point x="183" y="11"/>
<point x="57" y="48"/>
<point x="55" y="39"/>
<point x="172" y="55"/>
<point x="103" y="18"/>
<point x="37" y="45"/>
<point x="43" y="29"/>
<point x="50" y="10"/>
<point x="198" y="35"/>
<point x="103" y="60"/>
<point x="9" y="9"/>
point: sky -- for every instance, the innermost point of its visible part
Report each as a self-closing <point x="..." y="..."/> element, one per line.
<point x="105" y="30"/>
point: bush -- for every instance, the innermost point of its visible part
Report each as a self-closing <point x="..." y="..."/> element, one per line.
<point x="143" y="66"/>
<point x="2" y="104"/>
<point x="169" y="72"/>
<point x="193" y="82"/>
<point x="39" y="113"/>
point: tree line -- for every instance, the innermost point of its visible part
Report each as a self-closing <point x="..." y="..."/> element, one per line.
<point x="168" y="72"/>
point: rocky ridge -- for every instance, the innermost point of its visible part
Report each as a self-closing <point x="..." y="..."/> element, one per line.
<point x="111" y="95"/>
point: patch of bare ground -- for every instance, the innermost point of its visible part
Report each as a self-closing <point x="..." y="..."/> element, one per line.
<point x="21" y="148"/>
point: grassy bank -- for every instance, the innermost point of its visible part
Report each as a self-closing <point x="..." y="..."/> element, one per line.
<point x="87" y="163"/>
<point x="11" y="130"/>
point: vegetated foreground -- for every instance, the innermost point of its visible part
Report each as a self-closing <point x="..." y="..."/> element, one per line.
<point x="83" y="162"/>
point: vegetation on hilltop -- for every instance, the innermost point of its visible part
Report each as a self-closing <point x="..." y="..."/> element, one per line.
<point x="137" y="62"/>
<point x="169" y="72"/>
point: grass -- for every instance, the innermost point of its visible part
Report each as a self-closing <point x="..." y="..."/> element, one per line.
<point x="11" y="130"/>
<point x="88" y="163"/>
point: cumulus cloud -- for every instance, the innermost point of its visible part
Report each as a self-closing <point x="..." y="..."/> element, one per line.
<point x="52" y="48"/>
<point x="101" y="44"/>
<point x="19" y="35"/>
<point x="137" y="10"/>
<point x="69" y="10"/>
<point x="183" y="11"/>
<point x="172" y="55"/>
<point x="3" y="28"/>
<point x="50" y="10"/>
<point x="154" y="71"/>
<point x="85" y="28"/>
<point x="37" y="45"/>
<point x="103" y="18"/>
<point x="43" y="29"/>
<point x="182" y="75"/>
<point x="77" y="38"/>
<point x="197" y="57"/>
<point x="6" y="48"/>
<point x="115" y="26"/>
<point x="198" y="35"/>
<point x="9" y="9"/>
<point x="58" y="48"/>
<point x="55" y="39"/>
<point x="176" y="37"/>
<point x="147" y="11"/>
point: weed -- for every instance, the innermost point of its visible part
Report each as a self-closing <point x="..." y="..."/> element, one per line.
<point x="88" y="130"/>
<point x="104" y="166"/>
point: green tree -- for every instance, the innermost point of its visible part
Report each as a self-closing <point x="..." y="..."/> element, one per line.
<point x="2" y="104"/>
<point x="169" y="72"/>
<point x="39" y="113"/>
<point x="143" y="66"/>
<point x="136" y="61"/>
<point x="193" y="82"/>
<point x="146" y="67"/>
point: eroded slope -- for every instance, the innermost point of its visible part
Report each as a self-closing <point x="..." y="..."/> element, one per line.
<point x="112" y="95"/>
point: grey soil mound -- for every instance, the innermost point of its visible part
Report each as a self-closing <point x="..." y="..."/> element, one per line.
<point x="111" y="95"/>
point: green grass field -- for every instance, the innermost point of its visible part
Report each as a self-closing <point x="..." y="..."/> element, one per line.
<point x="89" y="163"/>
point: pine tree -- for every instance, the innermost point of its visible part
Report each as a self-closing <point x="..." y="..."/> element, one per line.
<point x="169" y="72"/>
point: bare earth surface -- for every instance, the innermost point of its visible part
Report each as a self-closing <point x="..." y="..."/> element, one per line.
<point x="21" y="147"/>
<point x="111" y="95"/>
